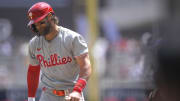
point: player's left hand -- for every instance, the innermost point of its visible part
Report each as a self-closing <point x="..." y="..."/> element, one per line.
<point x="75" y="96"/>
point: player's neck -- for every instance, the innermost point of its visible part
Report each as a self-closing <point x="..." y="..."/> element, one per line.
<point x="52" y="34"/>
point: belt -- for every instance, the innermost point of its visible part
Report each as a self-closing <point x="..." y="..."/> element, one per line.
<point x="56" y="92"/>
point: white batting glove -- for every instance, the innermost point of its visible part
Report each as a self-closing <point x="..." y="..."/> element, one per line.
<point x="75" y="96"/>
<point x="31" y="98"/>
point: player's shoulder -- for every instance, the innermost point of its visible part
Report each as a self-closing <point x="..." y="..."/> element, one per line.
<point x="68" y="32"/>
<point x="34" y="40"/>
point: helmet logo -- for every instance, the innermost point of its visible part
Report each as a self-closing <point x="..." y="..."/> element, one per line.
<point x="30" y="15"/>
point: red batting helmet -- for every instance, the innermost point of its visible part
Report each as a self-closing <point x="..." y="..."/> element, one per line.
<point x="38" y="12"/>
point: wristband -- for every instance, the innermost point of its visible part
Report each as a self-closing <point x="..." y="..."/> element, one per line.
<point x="80" y="85"/>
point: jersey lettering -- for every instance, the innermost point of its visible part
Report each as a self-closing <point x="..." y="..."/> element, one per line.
<point x="54" y="60"/>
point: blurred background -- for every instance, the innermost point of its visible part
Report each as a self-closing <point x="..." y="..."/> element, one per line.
<point x="121" y="35"/>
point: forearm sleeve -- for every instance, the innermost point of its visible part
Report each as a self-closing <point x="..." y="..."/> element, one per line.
<point x="33" y="80"/>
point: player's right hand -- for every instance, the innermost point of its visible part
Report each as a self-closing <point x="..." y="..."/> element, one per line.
<point x="31" y="98"/>
<point x="75" y="96"/>
<point x="67" y="98"/>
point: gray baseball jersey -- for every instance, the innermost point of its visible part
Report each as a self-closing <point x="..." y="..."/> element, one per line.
<point x="57" y="58"/>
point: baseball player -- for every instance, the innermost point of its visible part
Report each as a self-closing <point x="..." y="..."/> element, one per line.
<point x="60" y="54"/>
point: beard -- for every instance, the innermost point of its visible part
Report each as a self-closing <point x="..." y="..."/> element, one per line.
<point x="46" y="30"/>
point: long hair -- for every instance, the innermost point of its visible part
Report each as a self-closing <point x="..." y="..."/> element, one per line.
<point x="55" y="19"/>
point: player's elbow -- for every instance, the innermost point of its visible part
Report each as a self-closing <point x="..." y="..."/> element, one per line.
<point x="89" y="71"/>
<point x="85" y="71"/>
